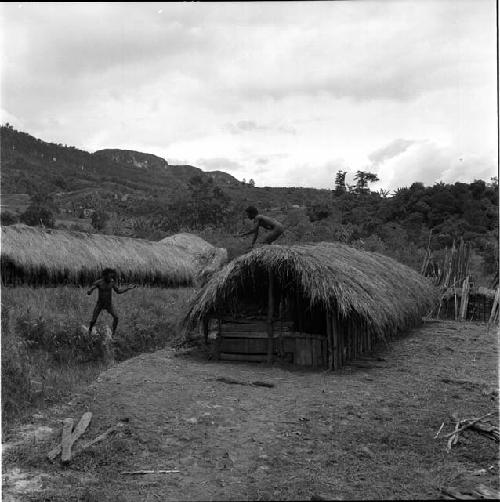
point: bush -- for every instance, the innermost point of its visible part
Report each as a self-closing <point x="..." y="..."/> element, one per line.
<point x="7" y="218"/>
<point x="38" y="215"/>
<point x="46" y="354"/>
<point x="63" y="339"/>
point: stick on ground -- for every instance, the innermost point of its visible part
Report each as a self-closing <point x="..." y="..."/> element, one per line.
<point x="466" y="426"/>
<point x="77" y="433"/>
<point x="66" y="440"/>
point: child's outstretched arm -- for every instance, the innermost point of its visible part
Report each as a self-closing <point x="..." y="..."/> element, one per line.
<point x="94" y="286"/>
<point x="119" y="291"/>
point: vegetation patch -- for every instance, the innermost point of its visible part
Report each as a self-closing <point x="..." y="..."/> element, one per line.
<point x="47" y="352"/>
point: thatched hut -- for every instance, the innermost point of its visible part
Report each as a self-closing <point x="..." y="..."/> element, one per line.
<point x="315" y="305"/>
<point x="35" y="256"/>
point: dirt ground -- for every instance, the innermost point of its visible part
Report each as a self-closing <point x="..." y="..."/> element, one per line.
<point x="365" y="432"/>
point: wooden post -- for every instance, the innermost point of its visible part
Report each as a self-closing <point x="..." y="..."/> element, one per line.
<point x="329" y="343"/>
<point x="464" y="303"/>
<point x="300" y="314"/>
<point x="493" y="314"/>
<point x="335" y="340"/>
<point x="341" y="340"/>
<point x="205" y="330"/>
<point x="270" y="315"/>
<point x="365" y="336"/>
<point x="356" y="330"/>
<point x="349" y="339"/>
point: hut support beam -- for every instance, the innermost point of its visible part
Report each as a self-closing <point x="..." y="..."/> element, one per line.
<point x="270" y="314"/>
<point x="336" y="345"/>
<point x="464" y="303"/>
<point x="205" y="331"/>
<point x="329" y="340"/>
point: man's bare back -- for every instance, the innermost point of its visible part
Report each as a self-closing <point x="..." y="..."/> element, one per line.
<point x="275" y="227"/>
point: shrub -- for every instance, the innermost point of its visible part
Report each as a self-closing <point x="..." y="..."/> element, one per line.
<point x="63" y="339"/>
<point x="38" y="215"/>
<point x="7" y="218"/>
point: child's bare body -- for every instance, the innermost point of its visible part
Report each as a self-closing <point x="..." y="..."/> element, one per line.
<point x="275" y="227"/>
<point x="105" y="287"/>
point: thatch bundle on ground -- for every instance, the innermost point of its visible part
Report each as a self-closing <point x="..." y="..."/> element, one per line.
<point x="338" y="299"/>
<point x="35" y="256"/>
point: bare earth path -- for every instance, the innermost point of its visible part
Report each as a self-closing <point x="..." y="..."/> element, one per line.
<point x="361" y="433"/>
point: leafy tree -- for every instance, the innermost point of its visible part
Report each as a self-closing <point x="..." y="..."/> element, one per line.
<point x="362" y="179"/>
<point x="318" y="212"/>
<point x="251" y="182"/>
<point x="99" y="219"/>
<point x="340" y="186"/>
<point x="38" y="215"/>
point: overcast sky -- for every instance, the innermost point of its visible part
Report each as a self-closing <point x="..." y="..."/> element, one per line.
<point x="284" y="93"/>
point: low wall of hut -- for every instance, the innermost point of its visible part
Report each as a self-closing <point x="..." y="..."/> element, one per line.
<point x="248" y="340"/>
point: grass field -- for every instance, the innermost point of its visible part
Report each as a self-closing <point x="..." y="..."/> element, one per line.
<point x="46" y="354"/>
<point x="365" y="432"/>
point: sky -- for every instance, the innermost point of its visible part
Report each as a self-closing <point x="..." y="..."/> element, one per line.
<point x="285" y="93"/>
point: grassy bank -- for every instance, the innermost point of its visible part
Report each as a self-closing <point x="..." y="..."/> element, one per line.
<point x="46" y="353"/>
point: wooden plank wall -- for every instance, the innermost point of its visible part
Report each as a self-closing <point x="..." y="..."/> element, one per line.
<point x="347" y="339"/>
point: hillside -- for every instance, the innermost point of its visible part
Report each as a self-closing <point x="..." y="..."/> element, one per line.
<point x="107" y="178"/>
<point x="124" y="192"/>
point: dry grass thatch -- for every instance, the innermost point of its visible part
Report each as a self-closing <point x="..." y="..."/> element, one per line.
<point x="189" y="242"/>
<point x="35" y="256"/>
<point x="209" y="259"/>
<point x="388" y="295"/>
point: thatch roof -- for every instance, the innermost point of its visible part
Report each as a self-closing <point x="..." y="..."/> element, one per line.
<point x="190" y="242"/>
<point x="33" y="255"/>
<point x="209" y="259"/>
<point x="388" y="295"/>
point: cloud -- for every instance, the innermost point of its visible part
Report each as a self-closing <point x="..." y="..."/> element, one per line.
<point x="393" y="149"/>
<point x="320" y="175"/>
<point x="244" y="126"/>
<point x="220" y="164"/>
<point x="428" y="162"/>
<point x="232" y="84"/>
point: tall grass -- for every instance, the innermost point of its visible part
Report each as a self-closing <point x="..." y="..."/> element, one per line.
<point x="47" y="354"/>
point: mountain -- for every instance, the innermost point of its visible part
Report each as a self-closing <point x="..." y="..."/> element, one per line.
<point x="123" y="181"/>
<point x="131" y="158"/>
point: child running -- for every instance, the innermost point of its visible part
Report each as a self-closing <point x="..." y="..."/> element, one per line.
<point x="106" y="285"/>
<point x="275" y="227"/>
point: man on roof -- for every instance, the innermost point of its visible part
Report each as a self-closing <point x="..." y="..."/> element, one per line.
<point x="275" y="227"/>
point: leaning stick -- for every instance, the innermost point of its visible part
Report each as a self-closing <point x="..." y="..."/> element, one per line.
<point x="439" y="431"/>
<point x="66" y="439"/>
